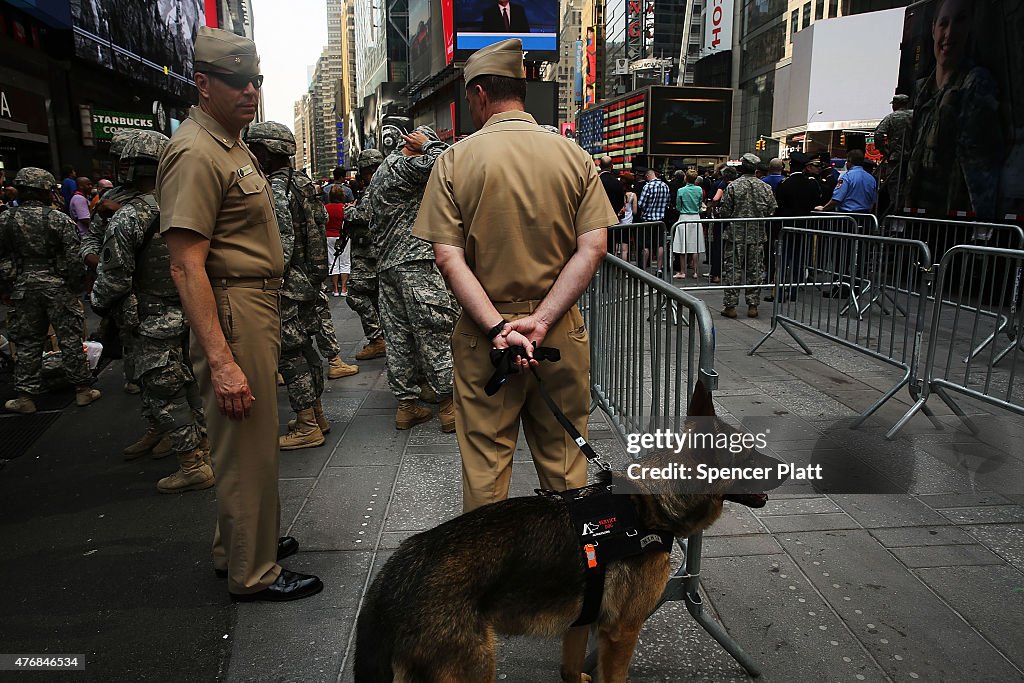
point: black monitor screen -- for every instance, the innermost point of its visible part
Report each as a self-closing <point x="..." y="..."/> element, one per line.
<point x="689" y="121"/>
<point x="479" y="23"/>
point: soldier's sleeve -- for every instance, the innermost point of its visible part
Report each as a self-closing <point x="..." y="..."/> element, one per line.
<point x="316" y="241"/>
<point x="8" y="270"/>
<point x="189" y="189"/>
<point x="92" y="241"/>
<point x="439" y="218"/>
<point x="728" y="202"/>
<point x="594" y="210"/>
<point x="416" y="170"/>
<point x="117" y="258"/>
<point x="283" y="211"/>
<point x="71" y="245"/>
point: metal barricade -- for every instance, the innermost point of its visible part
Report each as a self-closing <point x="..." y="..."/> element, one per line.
<point x="980" y="280"/>
<point x="943" y="235"/>
<point x="867" y="223"/>
<point x="817" y="276"/>
<point x="642" y="244"/>
<point x="643" y="369"/>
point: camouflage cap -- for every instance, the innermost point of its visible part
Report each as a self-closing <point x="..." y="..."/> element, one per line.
<point x="276" y="137"/>
<point x="750" y="159"/>
<point x="504" y="58"/>
<point x="119" y="140"/>
<point x="31" y="177"/>
<point x="145" y="145"/>
<point x="224" y="52"/>
<point x="368" y="158"/>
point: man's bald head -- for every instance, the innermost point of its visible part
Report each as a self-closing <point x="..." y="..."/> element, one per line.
<point x="84" y="185"/>
<point x="607" y="164"/>
<point x="776" y="165"/>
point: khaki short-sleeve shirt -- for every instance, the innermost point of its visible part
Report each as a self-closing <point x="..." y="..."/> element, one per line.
<point x="515" y="197"/>
<point x="211" y="183"/>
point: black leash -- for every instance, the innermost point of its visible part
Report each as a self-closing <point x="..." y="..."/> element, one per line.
<point x="504" y="362"/>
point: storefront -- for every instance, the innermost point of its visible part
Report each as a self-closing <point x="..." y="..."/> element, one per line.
<point x="24" y="127"/>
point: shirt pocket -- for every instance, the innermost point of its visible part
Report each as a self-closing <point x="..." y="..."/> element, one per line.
<point x="577" y="328"/>
<point x="255" y="197"/>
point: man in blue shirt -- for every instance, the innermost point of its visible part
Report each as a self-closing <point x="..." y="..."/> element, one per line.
<point x="68" y="186"/>
<point x="774" y="176"/>
<point x="857" y="190"/>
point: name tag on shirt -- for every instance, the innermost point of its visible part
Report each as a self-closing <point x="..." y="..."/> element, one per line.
<point x="245" y="170"/>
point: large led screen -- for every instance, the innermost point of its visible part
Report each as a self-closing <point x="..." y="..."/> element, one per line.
<point x="150" y="41"/>
<point x="479" y="23"/>
<point x="689" y="121"/>
<point x="963" y="68"/>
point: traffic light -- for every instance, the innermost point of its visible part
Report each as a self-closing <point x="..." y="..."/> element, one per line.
<point x="842" y="139"/>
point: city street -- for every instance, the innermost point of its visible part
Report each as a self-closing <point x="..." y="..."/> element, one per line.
<point x="875" y="587"/>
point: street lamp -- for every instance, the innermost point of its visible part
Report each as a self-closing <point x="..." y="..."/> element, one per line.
<point x="807" y="129"/>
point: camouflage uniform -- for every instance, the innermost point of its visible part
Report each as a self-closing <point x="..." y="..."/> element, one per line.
<point x="92" y="241"/>
<point x="743" y="243"/>
<point x="363" y="287"/>
<point x="301" y="217"/>
<point x="891" y="136"/>
<point x="41" y="269"/>
<point x="325" y="337"/>
<point x="135" y="261"/>
<point x="416" y="310"/>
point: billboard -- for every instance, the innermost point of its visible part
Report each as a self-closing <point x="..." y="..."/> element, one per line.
<point x="479" y="23"/>
<point x="590" y="68"/>
<point x="422" y="34"/>
<point x="963" y="69"/>
<point x="689" y="121"/>
<point x="150" y="42"/>
<point x="718" y="26"/>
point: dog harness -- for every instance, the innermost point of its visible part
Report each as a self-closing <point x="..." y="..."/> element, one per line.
<point x="607" y="530"/>
<point x="605" y="523"/>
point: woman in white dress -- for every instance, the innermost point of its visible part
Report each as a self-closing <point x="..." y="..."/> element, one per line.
<point x="627" y="216"/>
<point x="688" y="238"/>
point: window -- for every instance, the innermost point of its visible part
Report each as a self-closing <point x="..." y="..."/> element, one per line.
<point x="807" y="15"/>
<point x="833" y="8"/>
<point x="819" y="10"/>
<point x="794" y="24"/>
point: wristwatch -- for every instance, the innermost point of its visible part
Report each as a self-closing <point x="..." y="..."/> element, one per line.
<point x="496" y="330"/>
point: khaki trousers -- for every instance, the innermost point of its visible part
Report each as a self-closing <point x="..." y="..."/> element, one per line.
<point x="488" y="426"/>
<point x="245" y="452"/>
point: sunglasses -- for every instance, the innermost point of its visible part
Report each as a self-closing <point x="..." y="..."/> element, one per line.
<point x="239" y="82"/>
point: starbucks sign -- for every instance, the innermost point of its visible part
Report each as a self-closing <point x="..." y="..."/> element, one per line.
<point x="106" y="123"/>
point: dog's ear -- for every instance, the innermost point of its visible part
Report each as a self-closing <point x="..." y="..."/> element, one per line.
<point x="701" y="404"/>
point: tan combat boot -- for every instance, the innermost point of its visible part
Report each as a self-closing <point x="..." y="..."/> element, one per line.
<point x="751" y="311"/>
<point x="321" y="419"/>
<point x="204" y="446"/>
<point x="446" y="414"/>
<point x="305" y="434"/>
<point x="374" y="349"/>
<point x="280" y="380"/>
<point x="84" y="396"/>
<point x="409" y="414"/>
<point x="337" y="368"/>
<point x="144" y="445"/>
<point x="22" y="404"/>
<point x="162" y="449"/>
<point x="729" y="312"/>
<point x="193" y="474"/>
<point x="132" y="388"/>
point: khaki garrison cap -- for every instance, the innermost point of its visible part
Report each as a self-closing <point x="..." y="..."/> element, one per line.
<point x="224" y="52"/>
<point x="504" y="58"/>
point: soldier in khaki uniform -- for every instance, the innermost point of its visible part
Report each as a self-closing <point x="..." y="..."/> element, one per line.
<point x="217" y="217"/>
<point x="518" y="219"/>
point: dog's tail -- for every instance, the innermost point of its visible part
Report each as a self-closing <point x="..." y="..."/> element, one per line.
<point x="374" y="644"/>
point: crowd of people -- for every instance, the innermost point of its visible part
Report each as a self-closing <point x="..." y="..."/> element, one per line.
<point x="735" y="252"/>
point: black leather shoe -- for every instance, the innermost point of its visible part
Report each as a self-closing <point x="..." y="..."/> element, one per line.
<point x="286" y="547"/>
<point x="289" y="586"/>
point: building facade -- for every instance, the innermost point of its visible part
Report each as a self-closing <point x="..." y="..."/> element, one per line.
<point x="382" y="44"/>
<point x="564" y="71"/>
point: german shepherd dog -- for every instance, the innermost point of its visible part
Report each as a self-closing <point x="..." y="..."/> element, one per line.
<point x="516" y="567"/>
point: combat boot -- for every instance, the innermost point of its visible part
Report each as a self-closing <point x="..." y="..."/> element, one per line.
<point x="729" y="312"/>
<point x="375" y="349"/>
<point x="163" y="448"/>
<point x="280" y="380"/>
<point x="305" y="434"/>
<point x="446" y="413"/>
<point x="751" y="311"/>
<point x="321" y="419"/>
<point x="132" y="388"/>
<point x="85" y="396"/>
<point x="193" y="474"/>
<point x="337" y="368"/>
<point x="204" y="446"/>
<point x="22" y="404"/>
<point x="409" y="414"/>
<point x="144" y="445"/>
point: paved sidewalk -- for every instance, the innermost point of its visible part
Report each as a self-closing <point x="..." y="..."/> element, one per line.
<point x="835" y="585"/>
